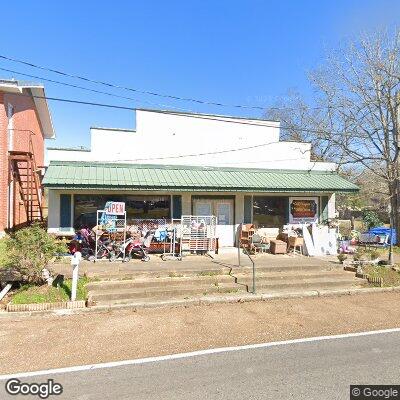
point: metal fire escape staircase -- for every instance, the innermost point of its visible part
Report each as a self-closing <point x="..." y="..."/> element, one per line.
<point x="25" y="174"/>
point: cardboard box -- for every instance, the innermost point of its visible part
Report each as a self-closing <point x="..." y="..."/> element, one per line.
<point x="278" y="247"/>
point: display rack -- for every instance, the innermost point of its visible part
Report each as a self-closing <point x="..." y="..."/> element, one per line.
<point x="109" y="224"/>
<point x="198" y="233"/>
<point x="246" y="234"/>
<point x="171" y="252"/>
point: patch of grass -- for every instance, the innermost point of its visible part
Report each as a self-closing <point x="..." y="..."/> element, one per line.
<point x="208" y="273"/>
<point x="382" y="251"/>
<point x="127" y="278"/>
<point x="175" y="275"/>
<point x="4" y="254"/>
<point x="389" y="276"/>
<point x="227" y="290"/>
<point x="49" y="294"/>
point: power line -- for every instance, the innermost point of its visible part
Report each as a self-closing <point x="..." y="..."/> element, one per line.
<point x="262" y="123"/>
<point x="210" y="153"/>
<point x="82" y="88"/>
<point x="168" y="96"/>
<point x="88" y="103"/>
<point x="262" y="108"/>
<point x="151" y="93"/>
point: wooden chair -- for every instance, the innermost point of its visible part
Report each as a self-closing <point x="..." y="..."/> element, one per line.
<point x="295" y="243"/>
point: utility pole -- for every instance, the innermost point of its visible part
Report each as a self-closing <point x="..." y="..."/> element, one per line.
<point x="395" y="212"/>
<point x="391" y="258"/>
<point x="394" y="206"/>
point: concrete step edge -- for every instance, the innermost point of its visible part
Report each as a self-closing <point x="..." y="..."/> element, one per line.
<point x="121" y="294"/>
<point x="239" y="297"/>
<point x="142" y="282"/>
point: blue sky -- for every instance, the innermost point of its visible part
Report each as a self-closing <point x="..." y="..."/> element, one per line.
<point x="245" y="52"/>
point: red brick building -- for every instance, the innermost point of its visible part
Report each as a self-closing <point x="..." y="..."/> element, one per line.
<point x="25" y="122"/>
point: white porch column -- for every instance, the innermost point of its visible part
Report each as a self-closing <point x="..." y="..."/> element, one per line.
<point x="332" y="206"/>
<point x="53" y="207"/>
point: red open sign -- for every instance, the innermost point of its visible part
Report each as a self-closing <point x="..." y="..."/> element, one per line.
<point x="115" y="208"/>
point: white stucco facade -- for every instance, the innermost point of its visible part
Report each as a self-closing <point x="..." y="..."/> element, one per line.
<point x="193" y="139"/>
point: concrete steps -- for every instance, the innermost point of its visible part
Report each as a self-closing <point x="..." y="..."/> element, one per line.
<point x="167" y="273"/>
<point x="160" y="282"/>
<point x="276" y="278"/>
<point x="152" y="288"/>
<point x="288" y="268"/>
<point x="305" y="284"/>
<point x="162" y="292"/>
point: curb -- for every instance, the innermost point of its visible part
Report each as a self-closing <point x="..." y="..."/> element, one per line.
<point x="198" y="302"/>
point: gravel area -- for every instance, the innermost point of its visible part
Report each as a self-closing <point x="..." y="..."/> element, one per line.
<point x="43" y="342"/>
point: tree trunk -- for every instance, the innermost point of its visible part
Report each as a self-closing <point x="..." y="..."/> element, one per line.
<point x="394" y="208"/>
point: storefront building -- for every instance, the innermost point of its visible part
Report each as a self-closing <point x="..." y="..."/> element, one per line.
<point x="189" y="164"/>
<point x="77" y="190"/>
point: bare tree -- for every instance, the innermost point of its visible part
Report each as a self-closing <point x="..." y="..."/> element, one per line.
<point x="354" y="120"/>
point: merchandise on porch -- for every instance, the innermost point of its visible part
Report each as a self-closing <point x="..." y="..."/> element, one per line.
<point x="198" y="233"/>
<point x="278" y="246"/>
<point x="259" y="244"/>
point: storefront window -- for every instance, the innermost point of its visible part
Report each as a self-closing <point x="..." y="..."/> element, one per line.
<point x="147" y="207"/>
<point x="270" y="211"/>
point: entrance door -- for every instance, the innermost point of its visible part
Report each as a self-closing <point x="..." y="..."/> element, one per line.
<point x="225" y="225"/>
<point x="223" y="209"/>
<point x="203" y="207"/>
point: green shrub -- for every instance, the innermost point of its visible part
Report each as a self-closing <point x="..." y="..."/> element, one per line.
<point x="5" y="259"/>
<point x="366" y="255"/>
<point x="31" y="249"/>
<point x="371" y="219"/>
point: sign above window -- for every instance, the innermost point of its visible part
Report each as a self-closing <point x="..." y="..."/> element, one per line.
<point x="115" y="208"/>
<point x="303" y="210"/>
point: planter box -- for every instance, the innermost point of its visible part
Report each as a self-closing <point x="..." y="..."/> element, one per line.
<point x="46" y="306"/>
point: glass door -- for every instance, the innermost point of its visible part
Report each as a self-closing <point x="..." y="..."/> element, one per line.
<point x="203" y="207"/>
<point x="224" y="213"/>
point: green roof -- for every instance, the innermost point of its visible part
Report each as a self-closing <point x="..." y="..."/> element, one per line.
<point x="93" y="175"/>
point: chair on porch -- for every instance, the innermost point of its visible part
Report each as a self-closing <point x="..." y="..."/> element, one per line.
<point x="258" y="244"/>
<point x="295" y="244"/>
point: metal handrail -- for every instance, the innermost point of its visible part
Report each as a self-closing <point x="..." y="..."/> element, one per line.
<point x="254" y="266"/>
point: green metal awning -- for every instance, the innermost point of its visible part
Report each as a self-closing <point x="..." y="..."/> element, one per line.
<point x="95" y="175"/>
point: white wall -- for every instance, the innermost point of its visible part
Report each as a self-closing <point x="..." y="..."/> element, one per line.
<point x="332" y="206"/>
<point x="163" y="138"/>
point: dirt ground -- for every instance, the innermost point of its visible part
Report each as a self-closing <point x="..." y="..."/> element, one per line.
<point x="34" y="343"/>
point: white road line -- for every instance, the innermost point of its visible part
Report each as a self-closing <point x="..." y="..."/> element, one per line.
<point x="192" y="354"/>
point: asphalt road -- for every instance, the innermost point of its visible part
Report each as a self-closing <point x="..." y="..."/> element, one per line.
<point x="307" y="370"/>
